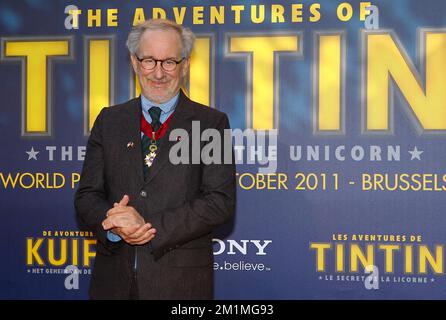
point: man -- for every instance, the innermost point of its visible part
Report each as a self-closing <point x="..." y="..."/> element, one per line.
<point x="153" y="219"/>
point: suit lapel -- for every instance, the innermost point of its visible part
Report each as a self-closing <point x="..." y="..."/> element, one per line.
<point x="134" y="135"/>
<point x="180" y="119"/>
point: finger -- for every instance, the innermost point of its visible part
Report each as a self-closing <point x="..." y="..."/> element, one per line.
<point x="108" y="224"/>
<point x="129" y="230"/>
<point x="114" y="210"/>
<point x="111" y="222"/>
<point x="119" y="220"/>
<point x="117" y="231"/>
<point x="117" y="209"/>
<point x="124" y="201"/>
<point x="141" y="231"/>
<point x="145" y="238"/>
<point x="148" y="236"/>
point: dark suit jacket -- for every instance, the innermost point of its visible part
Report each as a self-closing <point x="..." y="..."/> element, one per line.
<point x="183" y="202"/>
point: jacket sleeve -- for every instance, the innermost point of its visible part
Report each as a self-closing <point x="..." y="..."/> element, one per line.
<point x="90" y="199"/>
<point x="214" y="206"/>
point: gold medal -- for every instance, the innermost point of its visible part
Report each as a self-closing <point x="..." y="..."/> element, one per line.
<point x="150" y="157"/>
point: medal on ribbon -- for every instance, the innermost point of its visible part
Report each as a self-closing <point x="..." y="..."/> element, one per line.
<point x="150" y="157"/>
<point x="146" y="128"/>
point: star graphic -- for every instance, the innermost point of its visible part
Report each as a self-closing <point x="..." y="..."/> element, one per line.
<point x="32" y="154"/>
<point x="415" y="153"/>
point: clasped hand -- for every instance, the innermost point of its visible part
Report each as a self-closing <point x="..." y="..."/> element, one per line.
<point x="127" y="223"/>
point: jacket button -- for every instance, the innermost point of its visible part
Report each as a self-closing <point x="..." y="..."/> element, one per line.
<point x="143" y="193"/>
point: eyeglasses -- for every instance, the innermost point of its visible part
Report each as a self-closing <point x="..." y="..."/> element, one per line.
<point x="167" y="65"/>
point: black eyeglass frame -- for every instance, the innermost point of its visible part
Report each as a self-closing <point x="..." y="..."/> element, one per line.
<point x="177" y="62"/>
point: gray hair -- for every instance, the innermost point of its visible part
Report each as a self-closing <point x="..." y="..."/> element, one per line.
<point x="186" y="35"/>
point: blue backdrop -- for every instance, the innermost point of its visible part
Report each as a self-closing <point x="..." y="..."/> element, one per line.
<point x="311" y="240"/>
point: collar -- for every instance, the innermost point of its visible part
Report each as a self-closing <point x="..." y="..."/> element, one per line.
<point x="165" y="107"/>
